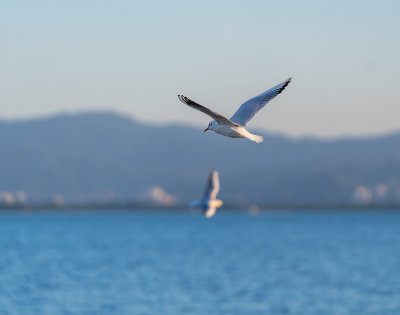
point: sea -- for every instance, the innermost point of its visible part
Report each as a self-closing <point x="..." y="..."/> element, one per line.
<point x="168" y="262"/>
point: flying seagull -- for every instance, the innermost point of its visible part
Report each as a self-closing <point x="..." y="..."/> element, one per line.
<point x="235" y="126"/>
<point x="209" y="204"/>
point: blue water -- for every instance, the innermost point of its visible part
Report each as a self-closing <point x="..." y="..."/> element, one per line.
<point x="179" y="263"/>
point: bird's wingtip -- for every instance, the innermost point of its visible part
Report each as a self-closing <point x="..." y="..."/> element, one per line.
<point x="285" y="84"/>
<point x="183" y="99"/>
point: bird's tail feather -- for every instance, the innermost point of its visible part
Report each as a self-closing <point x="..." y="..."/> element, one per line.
<point x="256" y="138"/>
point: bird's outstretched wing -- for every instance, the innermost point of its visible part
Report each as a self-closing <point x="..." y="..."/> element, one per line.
<point x="249" y="108"/>
<point x="217" y="117"/>
<point x="212" y="187"/>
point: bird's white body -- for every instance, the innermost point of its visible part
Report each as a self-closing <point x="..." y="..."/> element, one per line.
<point x="209" y="207"/>
<point x="234" y="127"/>
<point x="234" y="131"/>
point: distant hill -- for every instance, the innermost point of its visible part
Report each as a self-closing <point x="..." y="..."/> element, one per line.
<point x="108" y="157"/>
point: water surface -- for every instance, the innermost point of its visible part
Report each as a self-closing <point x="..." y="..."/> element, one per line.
<point x="179" y="263"/>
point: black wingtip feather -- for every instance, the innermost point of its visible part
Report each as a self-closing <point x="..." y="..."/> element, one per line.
<point x="285" y="85"/>
<point x="185" y="100"/>
<point x="180" y="98"/>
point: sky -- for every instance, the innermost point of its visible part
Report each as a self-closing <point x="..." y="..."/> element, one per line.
<point x="134" y="57"/>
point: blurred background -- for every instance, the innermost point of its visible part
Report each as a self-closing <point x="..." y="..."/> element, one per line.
<point x="88" y="101"/>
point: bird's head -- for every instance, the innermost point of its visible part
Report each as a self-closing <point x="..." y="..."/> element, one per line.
<point x="211" y="126"/>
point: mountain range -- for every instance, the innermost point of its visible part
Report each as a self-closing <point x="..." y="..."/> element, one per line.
<point x="107" y="157"/>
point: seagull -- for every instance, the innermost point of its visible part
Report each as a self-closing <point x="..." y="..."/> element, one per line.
<point x="209" y="203"/>
<point x="235" y="126"/>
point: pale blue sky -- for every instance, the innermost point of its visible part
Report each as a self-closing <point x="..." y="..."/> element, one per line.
<point x="134" y="57"/>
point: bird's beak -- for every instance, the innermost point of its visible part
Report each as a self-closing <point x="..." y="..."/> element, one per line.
<point x="206" y="129"/>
